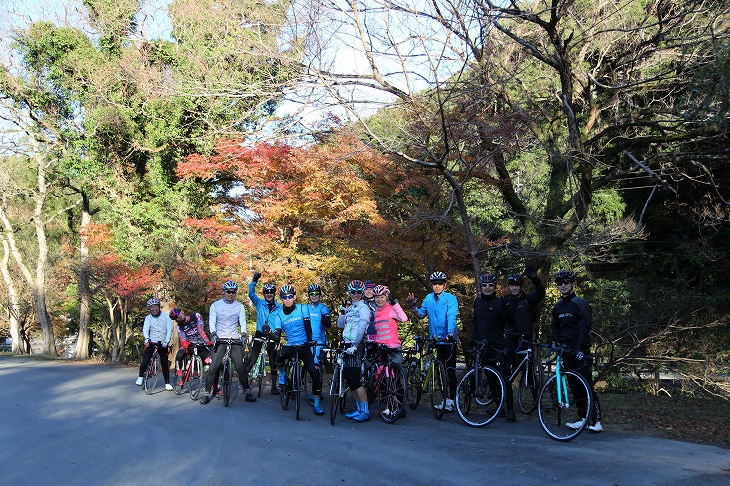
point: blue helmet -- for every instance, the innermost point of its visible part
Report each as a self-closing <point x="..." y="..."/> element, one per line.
<point x="230" y="285"/>
<point x="356" y="286"/>
<point x="152" y="302"/>
<point x="313" y="288"/>
<point x="287" y="290"/>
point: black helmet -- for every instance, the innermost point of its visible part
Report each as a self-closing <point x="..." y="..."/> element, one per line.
<point x="269" y="288"/>
<point x="564" y="274"/>
<point x="487" y="278"/>
<point x="287" y="290"/>
<point x="515" y="279"/>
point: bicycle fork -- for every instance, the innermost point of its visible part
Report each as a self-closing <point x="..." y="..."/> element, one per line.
<point x="562" y="384"/>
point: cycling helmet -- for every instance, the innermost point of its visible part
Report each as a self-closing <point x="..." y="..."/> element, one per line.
<point x="269" y="288"/>
<point x="152" y="302"/>
<point x="564" y="274"/>
<point x="174" y="313"/>
<point x="356" y="286"/>
<point x="369" y="284"/>
<point x="230" y="285"/>
<point x="515" y="279"/>
<point x="287" y="290"/>
<point x="381" y="290"/>
<point x="313" y="288"/>
<point x="438" y="277"/>
<point x="487" y="278"/>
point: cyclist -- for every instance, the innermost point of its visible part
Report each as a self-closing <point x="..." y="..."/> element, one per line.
<point x="571" y="327"/>
<point x="227" y="320"/>
<point x="294" y="320"/>
<point x="192" y="335"/>
<point x="157" y="331"/>
<point x="321" y="321"/>
<point x="441" y="307"/>
<point x="354" y="319"/>
<point x="521" y="309"/>
<point x="388" y="314"/>
<point x="369" y="299"/>
<point x="264" y="308"/>
<point x="490" y="319"/>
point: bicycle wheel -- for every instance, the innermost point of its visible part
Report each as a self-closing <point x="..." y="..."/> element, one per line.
<point x="227" y="380"/>
<point x="297" y="374"/>
<point x="196" y="382"/>
<point x="557" y="415"/>
<point x="369" y="380"/>
<point x="335" y="394"/>
<point x="415" y="384"/>
<point x="437" y="388"/>
<point x="528" y="389"/>
<point x="149" y="381"/>
<point x="392" y="393"/>
<point x="285" y="388"/>
<point x="475" y="396"/>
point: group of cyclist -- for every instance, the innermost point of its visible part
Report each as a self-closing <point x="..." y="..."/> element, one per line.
<point x="370" y="314"/>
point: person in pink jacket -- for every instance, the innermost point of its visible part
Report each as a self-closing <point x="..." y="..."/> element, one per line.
<point x="387" y="317"/>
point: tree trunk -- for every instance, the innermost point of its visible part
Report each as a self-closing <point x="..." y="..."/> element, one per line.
<point x="16" y="330"/>
<point x="82" y="344"/>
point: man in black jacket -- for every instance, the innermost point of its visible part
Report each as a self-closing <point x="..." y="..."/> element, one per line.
<point x="571" y="327"/>
<point x="521" y="308"/>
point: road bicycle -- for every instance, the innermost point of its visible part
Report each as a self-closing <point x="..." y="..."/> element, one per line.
<point x="307" y="379"/>
<point x="149" y="378"/>
<point x="531" y="375"/>
<point x="385" y="380"/>
<point x="425" y="374"/>
<point x="342" y="399"/>
<point x="480" y="395"/>
<point x="257" y="372"/>
<point x="227" y="368"/>
<point x="565" y="400"/>
<point x="292" y="389"/>
<point x="193" y="375"/>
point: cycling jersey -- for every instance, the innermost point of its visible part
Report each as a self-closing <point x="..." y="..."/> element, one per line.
<point x="441" y="310"/>
<point x="320" y="317"/>
<point x="521" y="310"/>
<point x="295" y="322"/>
<point x="571" y="323"/>
<point x="386" y="324"/>
<point x="227" y="319"/>
<point x="355" y="322"/>
<point x="157" y="329"/>
<point x="263" y="308"/>
<point x="489" y="320"/>
<point x="192" y="331"/>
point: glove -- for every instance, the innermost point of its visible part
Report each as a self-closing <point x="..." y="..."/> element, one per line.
<point x="214" y="336"/>
<point x="164" y="345"/>
<point x="256" y="276"/>
<point x="146" y="343"/>
<point x="266" y="329"/>
<point x="393" y="301"/>
<point x="579" y="355"/>
<point x="531" y="272"/>
<point x="449" y="338"/>
<point x="351" y="350"/>
<point x="411" y="302"/>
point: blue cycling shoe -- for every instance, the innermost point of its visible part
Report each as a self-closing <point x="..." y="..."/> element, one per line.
<point x="318" y="410"/>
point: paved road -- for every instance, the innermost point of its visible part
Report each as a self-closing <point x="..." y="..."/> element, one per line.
<point x="65" y="423"/>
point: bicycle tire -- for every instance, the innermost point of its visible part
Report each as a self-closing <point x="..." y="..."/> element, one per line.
<point x="369" y="381"/>
<point x="437" y="388"/>
<point x="392" y="396"/>
<point x="196" y="382"/>
<point x="335" y="394"/>
<point x="297" y="375"/>
<point x="475" y="401"/>
<point x="529" y="386"/>
<point x="149" y="381"/>
<point x="554" y="417"/>
<point x="307" y="385"/>
<point x="415" y="384"/>
<point x="227" y="381"/>
<point x="284" y="392"/>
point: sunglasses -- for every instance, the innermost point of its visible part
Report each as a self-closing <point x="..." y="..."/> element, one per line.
<point x="270" y="292"/>
<point x="565" y="281"/>
<point x="230" y="291"/>
<point x="356" y="292"/>
<point x="489" y="285"/>
<point x="314" y="293"/>
<point x="287" y="296"/>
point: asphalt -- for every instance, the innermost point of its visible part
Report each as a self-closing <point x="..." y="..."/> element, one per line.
<point x="67" y="423"/>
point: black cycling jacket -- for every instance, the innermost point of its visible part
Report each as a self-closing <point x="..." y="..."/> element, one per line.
<point x="571" y="326"/>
